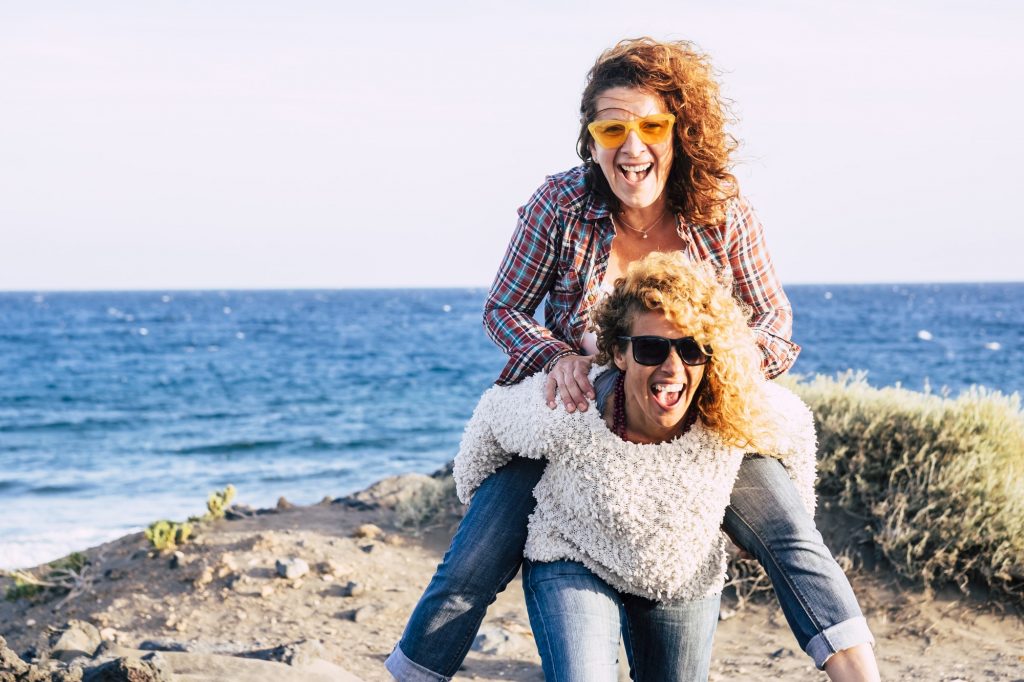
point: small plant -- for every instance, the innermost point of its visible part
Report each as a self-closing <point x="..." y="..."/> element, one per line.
<point x="167" y="535"/>
<point x="218" y="502"/>
<point x="65" y="575"/>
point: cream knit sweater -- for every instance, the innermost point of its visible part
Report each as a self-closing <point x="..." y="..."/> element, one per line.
<point x="645" y="518"/>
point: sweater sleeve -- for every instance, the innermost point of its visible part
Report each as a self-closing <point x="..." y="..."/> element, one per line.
<point x="508" y="421"/>
<point x="795" y="441"/>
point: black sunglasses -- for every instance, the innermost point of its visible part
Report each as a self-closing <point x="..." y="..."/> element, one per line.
<point x="653" y="350"/>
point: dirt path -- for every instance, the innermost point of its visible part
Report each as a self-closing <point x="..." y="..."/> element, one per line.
<point x="225" y="596"/>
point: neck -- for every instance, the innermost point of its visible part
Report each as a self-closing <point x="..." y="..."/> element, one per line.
<point x="642" y="218"/>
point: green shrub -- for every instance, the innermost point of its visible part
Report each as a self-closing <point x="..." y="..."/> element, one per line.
<point x="431" y="502"/>
<point x="57" y="577"/>
<point x="939" y="481"/>
<point x="168" y="535"/>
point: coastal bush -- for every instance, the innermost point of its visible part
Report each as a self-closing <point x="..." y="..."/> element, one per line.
<point x="938" y="482"/>
<point x="431" y="502"/>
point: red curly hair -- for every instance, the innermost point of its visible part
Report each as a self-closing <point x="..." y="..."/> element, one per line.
<point x="700" y="182"/>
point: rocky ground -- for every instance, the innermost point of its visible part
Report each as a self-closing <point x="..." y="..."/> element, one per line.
<point x="322" y="593"/>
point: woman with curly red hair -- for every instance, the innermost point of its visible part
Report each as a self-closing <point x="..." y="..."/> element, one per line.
<point x="656" y="177"/>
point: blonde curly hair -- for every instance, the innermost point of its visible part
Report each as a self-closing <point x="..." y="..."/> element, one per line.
<point x="701" y="182"/>
<point x="693" y="299"/>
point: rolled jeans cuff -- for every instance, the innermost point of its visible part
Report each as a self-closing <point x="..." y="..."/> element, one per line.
<point x="403" y="669"/>
<point x="832" y="640"/>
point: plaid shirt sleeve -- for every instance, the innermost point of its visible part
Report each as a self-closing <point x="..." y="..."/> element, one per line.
<point x="524" y="278"/>
<point x="757" y="285"/>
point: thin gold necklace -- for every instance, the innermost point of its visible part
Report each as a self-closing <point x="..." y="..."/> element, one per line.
<point x="643" y="232"/>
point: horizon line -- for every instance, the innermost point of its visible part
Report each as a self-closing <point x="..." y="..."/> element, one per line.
<point x="398" y="287"/>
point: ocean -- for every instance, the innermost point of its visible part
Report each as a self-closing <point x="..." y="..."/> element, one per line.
<point x="120" y="408"/>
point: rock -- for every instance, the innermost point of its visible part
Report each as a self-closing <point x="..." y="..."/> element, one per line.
<point x="149" y="668"/>
<point x="10" y="661"/>
<point x="368" y="548"/>
<point x="203" y="577"/>
<point x="495" y="640"/>
<point x="109" y="634"/>
<point x="394" y="540"/>
<point x="364" y="613"/>
<point x="292" y="568"/>
<point x="163" y="645"/>
<point x="331" y="568"/>
<point x="114" y="574"/>
<point x="390" y="492"/>
<point x="299" y="654"/>
<point x="368" y="531"/>
<point x="726" y="614"/>
<point x="78" y="639"/>
<point x="283" y="504"/>
<point x="350" y="589"/>
<point x="267" y="590"/>
<point x="72" y="674"/>
<point x="781" y="653"/>
<point x="210" y="667"/>
<point x="240" y="511"/>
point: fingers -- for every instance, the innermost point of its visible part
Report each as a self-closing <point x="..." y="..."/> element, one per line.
<point x="572" y="396"/>
<point x="549" y="390"/>
<point x="569" y="379"/>
<point x="580" y="373"/>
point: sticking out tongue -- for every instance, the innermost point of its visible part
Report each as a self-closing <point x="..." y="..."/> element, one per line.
<point x="667" y="395"/>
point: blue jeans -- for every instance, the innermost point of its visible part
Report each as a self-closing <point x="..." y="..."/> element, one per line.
<point x="765" y="517"/>
<point x="577" y="618"/>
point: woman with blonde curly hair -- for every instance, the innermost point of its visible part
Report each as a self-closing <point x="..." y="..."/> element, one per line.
<point x="656" y="178"/>
<point x="625" y="536"/>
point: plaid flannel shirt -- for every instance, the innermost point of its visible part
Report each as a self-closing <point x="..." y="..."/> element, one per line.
<point x="560" y="250"/>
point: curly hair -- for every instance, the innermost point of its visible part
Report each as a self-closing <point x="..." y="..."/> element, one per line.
<point x="700" y="182"/>
<point x="693" y="299"/>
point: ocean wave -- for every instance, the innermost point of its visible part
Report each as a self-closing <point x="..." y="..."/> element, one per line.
<point x="70" y="424"/>
<point x="232" y="446"/>
<point x="59" y="488"/>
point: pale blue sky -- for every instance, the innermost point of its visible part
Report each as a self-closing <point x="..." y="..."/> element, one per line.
<point x="306" y="144"/>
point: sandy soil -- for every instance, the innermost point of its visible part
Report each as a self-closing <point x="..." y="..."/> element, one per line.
<point x="225" y="596"/>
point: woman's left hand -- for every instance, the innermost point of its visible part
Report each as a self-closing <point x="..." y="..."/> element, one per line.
<point x="569" y="377"/>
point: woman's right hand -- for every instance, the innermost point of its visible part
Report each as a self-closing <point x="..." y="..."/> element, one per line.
<point x="568" y="377"/>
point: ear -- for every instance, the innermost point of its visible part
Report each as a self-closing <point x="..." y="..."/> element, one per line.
<point x="619" y="357"/>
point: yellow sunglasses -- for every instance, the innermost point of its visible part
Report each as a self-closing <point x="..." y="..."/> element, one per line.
<point x="611" y="133"/>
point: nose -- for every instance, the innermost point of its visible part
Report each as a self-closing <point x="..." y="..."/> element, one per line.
<point x="633" y="145"/>
<point x="673" y="363"/>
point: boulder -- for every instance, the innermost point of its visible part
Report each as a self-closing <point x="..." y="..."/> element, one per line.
<point x="77" y="639"/>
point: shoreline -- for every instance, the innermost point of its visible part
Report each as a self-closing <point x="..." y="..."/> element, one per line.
<point x="368" y="557"/>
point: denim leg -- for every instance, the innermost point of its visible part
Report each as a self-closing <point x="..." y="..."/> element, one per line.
<point x="766" y="518"/>
<point x="576" y="619"/>
<point x="670" y="640"/>
<point x="484" y="556"/>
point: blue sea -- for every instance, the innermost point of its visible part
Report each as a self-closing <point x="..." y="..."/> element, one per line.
<point x="119" y="408"/>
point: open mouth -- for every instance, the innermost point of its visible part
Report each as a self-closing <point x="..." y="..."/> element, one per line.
<point x="667" y="395"/>
<point x="635" y="173"/>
